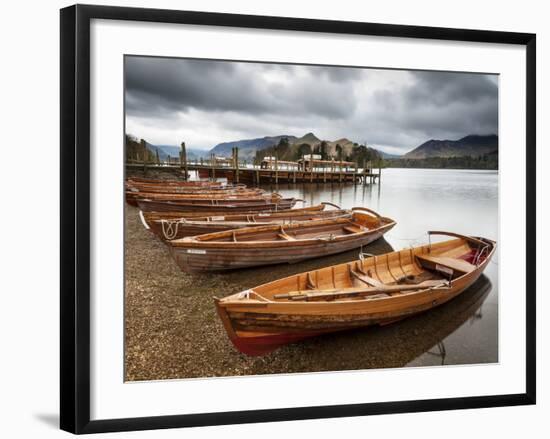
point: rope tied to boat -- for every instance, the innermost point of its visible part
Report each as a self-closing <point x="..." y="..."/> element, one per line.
<point x="247" y="293"/>
<point x="169" y="229"/>
<point x="479" y="253"/>
<point x="327" y="238"/>
<point x="244" y="294"/>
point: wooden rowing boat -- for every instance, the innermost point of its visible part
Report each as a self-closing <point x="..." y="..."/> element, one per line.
<point x="215" y="205"/>
<point x="163" y="189"/>
<point x="273" y="244"/>
<point x="230" y="196"/>
<point x="181" y="227"/>
<point x="172" y="182"/>
<point x="173" y="194"/>
<point x="375" y="290"/>
<point x="148" y="217"/>
<point x="193" y="190"/>
<point x="132" y="196"/>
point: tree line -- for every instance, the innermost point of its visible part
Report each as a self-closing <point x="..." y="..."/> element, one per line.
<point x="285" y="151"/>
<point x="486" y="161"/>
<point x="134" y="150"/>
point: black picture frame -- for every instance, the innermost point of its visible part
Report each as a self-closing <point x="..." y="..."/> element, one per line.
<point x="75" y="217"/>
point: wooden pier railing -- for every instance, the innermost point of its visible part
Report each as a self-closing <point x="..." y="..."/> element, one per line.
<point x="270" y="171"/>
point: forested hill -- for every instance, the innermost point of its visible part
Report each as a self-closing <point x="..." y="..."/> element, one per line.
<point x="472" y="145"/>
<point x="470" y="152"/>
<point x="342" y="149"/>
<point x="485" y="161"/>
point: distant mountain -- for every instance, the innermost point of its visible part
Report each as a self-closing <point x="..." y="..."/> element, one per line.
<point x="153" y="148"/>
<point x="265" y="146"/>
<point x="171" y="150"/>
<point x="346" y="145"/>
<point x="248" y="147"/>
<point x="343" y="149"/>
<point x="192" y="153"/>
<point x="472" y="145"/>
<point x="174" y="152"/>
<point x="486" y="161"/>
<point x="310" y="138"/>
<point x="386" y="155"/>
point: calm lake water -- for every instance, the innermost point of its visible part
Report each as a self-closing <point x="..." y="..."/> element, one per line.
<point x="465" y="330"/>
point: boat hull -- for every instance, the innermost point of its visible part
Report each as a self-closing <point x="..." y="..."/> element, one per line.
<point x="259" y="333"/>
<point x="221" y="257"/>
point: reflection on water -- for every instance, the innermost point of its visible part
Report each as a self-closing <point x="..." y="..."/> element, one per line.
<point x="463" y="331"/>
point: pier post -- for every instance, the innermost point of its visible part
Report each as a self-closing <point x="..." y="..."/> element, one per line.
<point x="213" y="166"/>
<point x="236" y="158"/>
<point x="379" y="171"/>
<point x="183" y="160"/>
<point x="276" y="168"/>
<point x="144" y="152"/>
<point x="233" y="163"/>
<point x="294" y="176"/>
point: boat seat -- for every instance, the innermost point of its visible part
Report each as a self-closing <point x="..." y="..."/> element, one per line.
<point x="436" y="262"/>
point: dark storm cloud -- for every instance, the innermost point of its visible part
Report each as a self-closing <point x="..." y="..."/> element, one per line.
<point x="339" y="74"/>
<point x="158" y="86"/>
<point x="207" y="102"/>
<point x="442" y="88"/>
<point x="173" y="84"/>
<point x="437" y="105"/>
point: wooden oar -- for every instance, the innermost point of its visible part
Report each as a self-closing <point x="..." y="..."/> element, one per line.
<point x="348" y="292"/>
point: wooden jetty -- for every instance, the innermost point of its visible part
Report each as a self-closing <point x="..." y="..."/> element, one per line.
<point x="252" y="175"/>
<point x="271" y="170"/>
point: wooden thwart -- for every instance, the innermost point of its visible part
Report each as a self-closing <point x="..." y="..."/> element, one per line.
<point x="350" y="292"/>
<point x="458" y="265"/>
<point x="366" y="279"/>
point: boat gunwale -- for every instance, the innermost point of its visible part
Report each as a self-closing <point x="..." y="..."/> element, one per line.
<point x="209" y="213"/>
<point x="330" y="214"/>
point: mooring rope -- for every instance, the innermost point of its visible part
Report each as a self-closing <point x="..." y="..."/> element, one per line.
<point x="169" y="229"/>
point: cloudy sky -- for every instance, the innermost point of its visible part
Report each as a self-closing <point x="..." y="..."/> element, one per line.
<point x="206" y="102"/>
